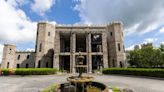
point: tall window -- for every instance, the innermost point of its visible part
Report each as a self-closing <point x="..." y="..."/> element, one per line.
<point x="119" y="47"/>
<point x="28" y="56"/>
<point x="18" y="57"/>
<point x="49" y="33"/>
<point x="8" y="64"/>
<point x="26" y="65"/>
<point x="40" y="47"/>
<point x="113" y="63"/>
<point x="18" y="66"/>
<point x="111" y="33"/>
<point x="47" y="64"/>
<point x="39" y="64"/>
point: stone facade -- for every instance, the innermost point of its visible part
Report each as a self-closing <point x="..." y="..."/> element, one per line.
<point x="57" y="46"/>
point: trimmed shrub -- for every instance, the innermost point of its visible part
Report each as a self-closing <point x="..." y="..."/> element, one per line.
<point x="35" y="71"/>
<point x="5" y="71"/>
<point x="135" y="71"/>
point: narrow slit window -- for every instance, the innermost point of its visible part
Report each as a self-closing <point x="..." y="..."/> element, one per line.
<point x="119" y="47"/>
<point x="18" y="57"/>
<point x="40" y="47"/>
<point x="49" y="33"/>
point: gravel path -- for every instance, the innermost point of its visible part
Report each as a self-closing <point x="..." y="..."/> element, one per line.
<point x="36" y="83"/>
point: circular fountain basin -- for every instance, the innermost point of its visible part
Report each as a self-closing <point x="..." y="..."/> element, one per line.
<point x="82" y="79"/>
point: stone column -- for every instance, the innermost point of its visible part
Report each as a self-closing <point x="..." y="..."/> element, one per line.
<point x="89" y="56"/>
<point x="56" y="51"/>
<point x="105" y="51"/>
<point x="72" y="50"/>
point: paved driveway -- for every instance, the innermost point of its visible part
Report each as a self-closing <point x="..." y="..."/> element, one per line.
<point x="36" y="83"/>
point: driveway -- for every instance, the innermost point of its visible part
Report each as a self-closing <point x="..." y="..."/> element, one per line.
<point x="36" y="83"/>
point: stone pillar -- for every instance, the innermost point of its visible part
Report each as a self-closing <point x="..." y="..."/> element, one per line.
<point x="72" y="50"/>
<point x="56" y="51"/>
<point x="105" y="50"/>
<point x="89" y="56"/>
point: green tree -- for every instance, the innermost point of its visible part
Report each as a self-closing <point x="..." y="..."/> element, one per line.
<point x="146" y="57"/>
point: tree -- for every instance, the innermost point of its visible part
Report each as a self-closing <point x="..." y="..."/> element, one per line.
<point x="147" y="57"/>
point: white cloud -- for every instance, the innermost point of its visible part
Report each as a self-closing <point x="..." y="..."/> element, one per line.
<point x="30" y="49"/>
<point x="138" y="17"/>
<point x="130" y="48"/>
<point x="161" y="30"/>
<point x="41" y="6"/>
<point x="150" y="40"/>
<point x="15" y="26"/>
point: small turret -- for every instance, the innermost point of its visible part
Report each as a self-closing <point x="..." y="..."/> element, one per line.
<point x="8" y="59"/>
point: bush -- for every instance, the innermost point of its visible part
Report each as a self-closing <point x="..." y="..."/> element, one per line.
<point x="135" y="71"/>
<point x="35" y="71"/>
<point x="28" y="71"/>
<point x="5" y="71"/>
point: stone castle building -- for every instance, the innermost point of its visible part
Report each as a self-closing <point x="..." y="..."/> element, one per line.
<point x="57" y="46"/>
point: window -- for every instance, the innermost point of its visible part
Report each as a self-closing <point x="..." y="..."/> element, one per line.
<point x="49" y="33"/>
<point x="111" y="33"/>
<point x="119" y="47"/>
<point x="121" y="64"/>
<point x="8" y="64"/>
<point x="113" y="63"/>
<point x="40" y="47"/>
<point x="18" y="57"/>
<point x="28" y="56"/>
<point x="47" y="64"/>
<point x="18" y="66"/>
<point x="39" y="64"/>
<point x="26" y="65"/>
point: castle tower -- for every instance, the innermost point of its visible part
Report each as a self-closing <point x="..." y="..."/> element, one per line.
<point x="115" y="45"/>
<point x="8" y="59"/>
<point x="44" y="45"/>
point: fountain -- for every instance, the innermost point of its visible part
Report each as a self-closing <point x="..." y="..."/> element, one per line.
<point x="82" y="83"/>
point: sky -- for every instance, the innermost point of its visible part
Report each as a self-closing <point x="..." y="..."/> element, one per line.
<point x="143" y="19"/>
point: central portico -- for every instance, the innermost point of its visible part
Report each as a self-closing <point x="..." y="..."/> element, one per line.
<point x="87" y="41"/>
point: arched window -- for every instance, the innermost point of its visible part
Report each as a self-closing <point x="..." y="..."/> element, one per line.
<point x="40" y="47"/>
<point x="27" y="65"/>
<point x="28" y="56"/>
<point x="121" y="64"/>
<point x="8" y="64"/>
<point x="18" y="57"/>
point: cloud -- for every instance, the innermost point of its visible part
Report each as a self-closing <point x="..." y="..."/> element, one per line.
<point x="130" y="48"/>
<point x="15" y="26"/>
<point x="138" y="17"/>
<point x="41" y="6"/>
<point x="150" y="40"/>
<point x="161" y="30"/>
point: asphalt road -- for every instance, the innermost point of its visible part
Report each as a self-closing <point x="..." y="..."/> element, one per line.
<point x="37" y="83"/>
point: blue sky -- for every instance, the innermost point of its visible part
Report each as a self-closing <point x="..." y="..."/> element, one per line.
<point x="142" y="23"/>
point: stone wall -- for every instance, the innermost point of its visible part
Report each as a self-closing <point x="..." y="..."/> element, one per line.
<point x="25" y="59"/>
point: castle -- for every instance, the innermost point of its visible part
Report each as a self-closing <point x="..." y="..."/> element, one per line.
<point x="57" y="46"/>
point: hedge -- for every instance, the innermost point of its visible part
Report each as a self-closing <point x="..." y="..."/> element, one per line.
<point x="28" y="71"/>
<point x="135" y="71"/>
